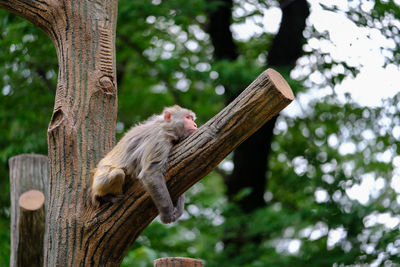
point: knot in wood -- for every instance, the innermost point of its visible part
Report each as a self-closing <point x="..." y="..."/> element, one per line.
<point x="107" y="84"/>
<point x="56" y="119"/>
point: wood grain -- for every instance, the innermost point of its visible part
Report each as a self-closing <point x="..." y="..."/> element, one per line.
<point x="178" y="261"/>
<point x="31" y="229"/>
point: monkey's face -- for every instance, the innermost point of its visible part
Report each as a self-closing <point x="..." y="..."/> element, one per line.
<point x="180" y="121"/>
<point x="189" y="124"/>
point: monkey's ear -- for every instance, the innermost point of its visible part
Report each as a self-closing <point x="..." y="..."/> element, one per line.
<point x="167" y="116"/>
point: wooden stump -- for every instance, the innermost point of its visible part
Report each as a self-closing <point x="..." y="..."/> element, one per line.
<point x="31" y="229"/>
<point x="178" y="261"/>
<point x="27" y="172"/>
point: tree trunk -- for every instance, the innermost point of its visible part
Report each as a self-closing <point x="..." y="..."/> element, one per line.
<point x="27" y="172"/>
<point x="82" y="127"/>
<point x="219" y="29"/>
<point x="287" y="45"/>
<point x="251" y="157"/>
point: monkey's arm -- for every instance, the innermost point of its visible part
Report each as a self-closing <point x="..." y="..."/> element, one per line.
<point x="154" y="183"/>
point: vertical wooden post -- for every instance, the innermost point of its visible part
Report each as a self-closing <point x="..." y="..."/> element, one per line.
<point x="31" y="229"/>
<point x="27" y="172"/>
<point x="178" y="261"/>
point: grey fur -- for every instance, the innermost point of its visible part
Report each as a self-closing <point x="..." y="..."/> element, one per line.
<point x="143" y="154"/>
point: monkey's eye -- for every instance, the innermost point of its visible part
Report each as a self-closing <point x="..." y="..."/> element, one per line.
<point x="190" y="117"/>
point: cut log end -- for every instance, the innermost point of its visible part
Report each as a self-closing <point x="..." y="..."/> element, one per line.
<point x="23" y="157"/>
<point x="280" y="84"/>
<point x="178" y="261"/>
<point x="31" y="200"/>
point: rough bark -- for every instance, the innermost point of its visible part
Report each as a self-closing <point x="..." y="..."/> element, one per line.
<point x="27" y="172"/>
<point x="31" y="229"/>
<point x="82" y="129"/>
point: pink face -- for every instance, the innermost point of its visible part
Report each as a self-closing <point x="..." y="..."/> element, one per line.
<point x="189" y="123"/>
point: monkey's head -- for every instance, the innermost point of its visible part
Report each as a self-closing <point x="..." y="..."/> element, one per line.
<point x="179" y="122"/>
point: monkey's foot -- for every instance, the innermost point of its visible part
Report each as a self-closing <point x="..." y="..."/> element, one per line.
<point x="108" y="198"/>
<point x="116" y="198"/>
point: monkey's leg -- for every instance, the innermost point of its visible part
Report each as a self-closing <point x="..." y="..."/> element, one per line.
<point x="156" y="187"/>
<point x="116" y="181"/>
<point x="107" y="186"/>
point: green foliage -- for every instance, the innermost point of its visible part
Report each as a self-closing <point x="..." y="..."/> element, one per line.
<point x="321" y="163"/>
<point x="4" y="239"/>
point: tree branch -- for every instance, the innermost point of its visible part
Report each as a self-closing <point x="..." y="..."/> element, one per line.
<point x="35" y="11"/>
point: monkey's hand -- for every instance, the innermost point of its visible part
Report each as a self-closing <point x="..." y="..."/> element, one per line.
<point x="154" y="183"/>
<point x="172" y="214"/>
<point x="167" y="215"/>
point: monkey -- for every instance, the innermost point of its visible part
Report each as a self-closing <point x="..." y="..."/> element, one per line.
<point x="142" y="153"/>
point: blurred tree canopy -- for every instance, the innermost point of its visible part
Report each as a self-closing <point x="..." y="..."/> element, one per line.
<point x="317" y="186"/>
